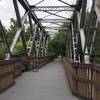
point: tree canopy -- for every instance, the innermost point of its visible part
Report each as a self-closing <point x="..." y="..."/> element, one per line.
<point x="58" y="44"/>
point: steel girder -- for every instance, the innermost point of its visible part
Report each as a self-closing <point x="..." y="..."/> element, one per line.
<point x="83" y="39"/>
<point x="55" y="20"/>
<point x="76" y="25"/>
<point x="86" y="52"/>
<point x="21" y="32"/>
<point x="40" y="30"/>
<point x="31" y="41"/>
<point x="27" y="7"/>
<point x="17" y="34"/>
<point x="74" y="43"/>
<point x="43" y="46"/>
<point x="78" y="19"/>
<point x="52" y="8"/>
<point x="54" y="14"/>
<point x="55" y="28"/>
<point x="69" y="45"/>
<point x="39" y="43"/>
<point x="31" y="24"/>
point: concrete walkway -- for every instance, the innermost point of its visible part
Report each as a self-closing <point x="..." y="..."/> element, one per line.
<point x="47" y="84"/>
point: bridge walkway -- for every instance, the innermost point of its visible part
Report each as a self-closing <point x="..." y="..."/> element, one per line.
<point x="48" y="84"/>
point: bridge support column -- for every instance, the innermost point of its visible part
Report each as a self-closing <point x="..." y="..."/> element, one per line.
<point x="31" y="42"/>
<point x="38" y="44"/>
<point x="43" y="47"/>
<point x="81" y="18"/>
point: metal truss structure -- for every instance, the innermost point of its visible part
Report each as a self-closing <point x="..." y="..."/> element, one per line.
<point x="81" y="49"/>
<point x="55" y="20"/>
<point x="52" y="8"/>
<point x="77" y="47"/>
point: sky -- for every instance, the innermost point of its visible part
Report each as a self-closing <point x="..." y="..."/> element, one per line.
<point x="7" y="9"/>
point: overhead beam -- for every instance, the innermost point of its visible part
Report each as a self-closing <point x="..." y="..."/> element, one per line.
<point x="55" y="28"/>
<point x="50" y="14"/>
<point x="26" y="6"/>
<point x="54" y="14"/>
<point x="52" y="8"/>
<point x="54" y="20"/>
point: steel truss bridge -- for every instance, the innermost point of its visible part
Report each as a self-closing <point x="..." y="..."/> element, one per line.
<point x="77" y="47"/>
<point x="80" y="43"/>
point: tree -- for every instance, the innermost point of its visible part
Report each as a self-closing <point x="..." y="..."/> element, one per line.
<point x="58" y="44"/>
<point x="18" y="49"/>
<point x="2" y="54"/>
<point x="11" y="33"/>
<point x="12" y="30"/>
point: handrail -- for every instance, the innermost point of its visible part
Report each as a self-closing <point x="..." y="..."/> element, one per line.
<point x="83" y="79"/>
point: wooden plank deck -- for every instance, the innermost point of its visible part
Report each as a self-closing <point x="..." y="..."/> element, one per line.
<point x="48" y="84"/>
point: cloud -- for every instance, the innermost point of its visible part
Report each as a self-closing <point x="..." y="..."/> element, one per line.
<point x="7" y="12"/>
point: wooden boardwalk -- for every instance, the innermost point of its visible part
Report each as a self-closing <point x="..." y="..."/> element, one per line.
<point x="48" y="84"/>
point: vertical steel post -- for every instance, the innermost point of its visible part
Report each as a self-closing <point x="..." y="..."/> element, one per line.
<point x="84" y="4"/>
<point x="20" y="25"/>
<point x="89" y="25"/>
<point x="44" y="45"/>
<point x="83" y="40"/>
<point x="94" y="35"/>
<point x="38" y="43"/>
<point x="70" y="48"/>
<point x="47" y="46"/>
<point x="31" y="25"/>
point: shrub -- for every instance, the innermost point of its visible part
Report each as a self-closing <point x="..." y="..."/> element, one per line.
<point x="18" y="49"/>
<point x="2" y="54"/>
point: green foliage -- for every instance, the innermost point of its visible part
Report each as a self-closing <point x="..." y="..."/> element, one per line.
<point x="58" y="44"/>
<point x="18" y="49"/>
<point x="2" y="54"/>
<point x="27" y="34"/>
<point x="12" y="30"/>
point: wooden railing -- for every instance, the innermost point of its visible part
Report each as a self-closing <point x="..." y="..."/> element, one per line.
<point x="84" y="79"/>
<point x="40" y="62"/>
<point x="6" y="74"/>
<point x="17" y="67"/>
<point x="10" y="69"/>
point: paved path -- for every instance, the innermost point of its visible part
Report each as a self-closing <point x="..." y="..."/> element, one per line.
<point x="48" y="84"/>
